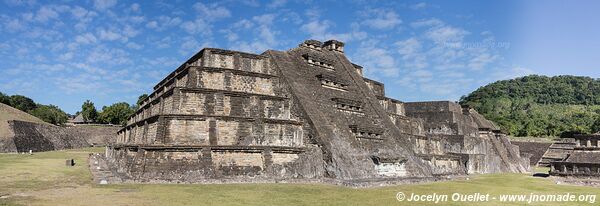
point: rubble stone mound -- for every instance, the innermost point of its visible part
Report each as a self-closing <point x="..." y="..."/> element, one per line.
<point x="303" y="114"/>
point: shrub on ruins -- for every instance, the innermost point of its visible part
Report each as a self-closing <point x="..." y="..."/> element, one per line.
<point x="89" y="112"/>
<point x="50" y="113"/>
<point x="116" y="113"/>
<point x="140" y="99"/>
<point x="539" y="105"/>
<point x="22" y="103"/>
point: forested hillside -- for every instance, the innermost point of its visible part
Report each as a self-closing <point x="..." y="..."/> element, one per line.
<point x="539" y="105"/>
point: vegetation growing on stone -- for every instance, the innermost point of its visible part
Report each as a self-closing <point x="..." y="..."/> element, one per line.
<point x="539" y="105"/>
<point x="140" y="99"/>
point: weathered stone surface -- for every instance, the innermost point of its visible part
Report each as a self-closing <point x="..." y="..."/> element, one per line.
<point x="305" y="114"/>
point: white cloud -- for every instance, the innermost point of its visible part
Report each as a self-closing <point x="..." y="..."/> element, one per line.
<point x="277" y="3"/>
<point x="136" y="19"/>
<point x="135" y="7"/>
<point x="264" y="20"/>
<point x="427" y="23"/>
<point x="265" y="37"/>
<point x="134" y="45"/>
<point x="14" y="25"/>
<point x="252" y="3"/>
<point x="83" y="17"/>
<point x="316" y="29"/>
<point x="320" y="30"/>
<point x="163" y="43"/>
<point x="109" y="35"/>
<point x="212" y="11"/>
<point x="20" y="2"/>
<point x="446" y="34"/>
<point x="79" y="12"/>
<point x="129" y="31"/>
<point x="167" y="62"/>
<point x="412" y="55"/>
<point x="480" y="61"/>
<point x="266" y="33"/>
<point x="87" y="38"/>
<point x="66" y="56"/>
<point x="206" y="14"/>
<point x="113" y="34"/>
<point x="108" y="56"/>
<point x="231" y="36"/>
<point x="152" y="25"/>
<point x="46" y="13"/>
<point x="104" y="4"/>
<point x="163" y="22"/>
<point x="418" y="5"/>
<point x="409" y="46"/>
<point x="243" y="24"/>
<point x="198" y="26"/>
<point x="375" y="59"/>
<point x="382" y="19"/>
<point x="190" y="45"/>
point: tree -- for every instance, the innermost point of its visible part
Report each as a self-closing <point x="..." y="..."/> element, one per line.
<point x="140" y="99"/>
<point x="50" y="113"/>
<point x="4" y="99"/>
<point x="88" y="110"/>
<point x="22" y="103"/>
<point x="116" y="113"/>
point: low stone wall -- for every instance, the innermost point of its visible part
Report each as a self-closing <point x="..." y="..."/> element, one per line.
<point x="535" y="149"/>
<point x="41" y="137"/>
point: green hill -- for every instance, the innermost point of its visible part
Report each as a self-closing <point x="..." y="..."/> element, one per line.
<point x="540" y="105"/>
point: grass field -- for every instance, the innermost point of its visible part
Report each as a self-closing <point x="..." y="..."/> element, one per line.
<point x="42" y="179"/>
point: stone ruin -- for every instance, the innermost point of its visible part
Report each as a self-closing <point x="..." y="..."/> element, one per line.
<point x="303" y="114"/>
<point x="582" y="159"/>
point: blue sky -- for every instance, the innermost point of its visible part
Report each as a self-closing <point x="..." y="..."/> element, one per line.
<point x="64" y="52"/>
